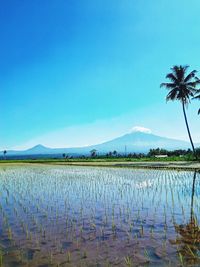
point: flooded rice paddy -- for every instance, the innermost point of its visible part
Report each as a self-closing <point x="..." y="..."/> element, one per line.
<point x="89" y="216"/>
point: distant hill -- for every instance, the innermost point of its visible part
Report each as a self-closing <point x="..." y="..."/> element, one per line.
<point x="138" y="142"/>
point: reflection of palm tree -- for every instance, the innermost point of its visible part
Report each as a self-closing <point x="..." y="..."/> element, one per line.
<point x="182" y="87"/>
<point x="192" y="197"/>
<point x="189" y="239"/>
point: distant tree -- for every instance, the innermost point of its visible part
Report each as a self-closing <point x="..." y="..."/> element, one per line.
<point x="65" y="156"/>
<point x="114" y="153"/>
<point x="110" y="154"/>
<point x="141" y="155"/>
<point x="177" y="152"/>
<point x="4" y="154"/>
<point x="155" y="152"/>
<point x="182" y="87"/>
<point x="198" y="151"/>
<point x="93" y="153"/>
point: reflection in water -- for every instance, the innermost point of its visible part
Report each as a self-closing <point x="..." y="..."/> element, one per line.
<point x="189" y="240"/>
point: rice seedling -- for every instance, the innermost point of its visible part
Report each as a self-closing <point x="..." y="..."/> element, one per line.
<point x="51" y="257"/>
<point x="128" y="261"/>
<point x="146" y="254"/>
<point x="108" y="264"/>
<point x="68" y="257"/>
<point x="181" y="259"/>
<point x="1" y="258"/>
<point x="84" y="254"/>
<point x="141" y="230"/>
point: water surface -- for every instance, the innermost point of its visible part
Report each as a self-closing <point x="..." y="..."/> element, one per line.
<point x="90" y="216"/>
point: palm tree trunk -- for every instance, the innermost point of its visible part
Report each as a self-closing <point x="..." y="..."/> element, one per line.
<point x="186" y="122"/>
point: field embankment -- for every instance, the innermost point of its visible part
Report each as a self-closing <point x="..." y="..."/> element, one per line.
<point x="161" y="164"/>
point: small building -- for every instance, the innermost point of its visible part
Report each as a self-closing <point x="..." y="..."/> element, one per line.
<point x="161" y="156"/>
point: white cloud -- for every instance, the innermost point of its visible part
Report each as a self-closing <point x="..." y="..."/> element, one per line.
<point x="141" y="129"/>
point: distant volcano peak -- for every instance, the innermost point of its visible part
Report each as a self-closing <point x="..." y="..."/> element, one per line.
<point x="140" y="129"/>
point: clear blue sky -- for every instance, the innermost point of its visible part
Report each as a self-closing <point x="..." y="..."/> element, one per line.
<point x="81" y="72"/>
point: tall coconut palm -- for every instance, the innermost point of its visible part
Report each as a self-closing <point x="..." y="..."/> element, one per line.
<point x="182" y="87"/>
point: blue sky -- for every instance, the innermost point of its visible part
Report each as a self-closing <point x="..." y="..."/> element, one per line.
<point x="80" y="72"/>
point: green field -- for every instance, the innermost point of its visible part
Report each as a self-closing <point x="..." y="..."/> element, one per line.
<point x="103" y="159"/>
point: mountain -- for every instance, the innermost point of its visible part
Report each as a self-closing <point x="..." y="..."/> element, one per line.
<point x="38" y="149"/>
<point x="142" y="142"/>
<point x="132" y="142"/>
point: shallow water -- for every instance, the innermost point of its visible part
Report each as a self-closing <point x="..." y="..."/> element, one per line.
<point x="88" y="216"/>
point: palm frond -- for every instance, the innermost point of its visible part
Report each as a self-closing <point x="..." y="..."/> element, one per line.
<point x="192" y="84"/>
<point x="197" y="95"/>
<point x="179" y="71"/>
<point x="182" y="87"/>
<point x="192" y="90"/>
<point x="168" y="85"/>
<point x="185" y="67"/>
<point x="172" y="95"/>
<point x="184" y="97"/>
<point x="172" y="77"/>
<point x="190" y="76"/>
<point x="175" y="69"/>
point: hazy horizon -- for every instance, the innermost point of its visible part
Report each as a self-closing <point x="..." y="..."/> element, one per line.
<point x="76" y="73"/>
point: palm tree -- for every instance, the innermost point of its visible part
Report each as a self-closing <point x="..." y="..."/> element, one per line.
<point x="93" y="153"/>
<point x="197" y="96"/>
<point x="182" y="87"/>
<point x="114" y="153"/>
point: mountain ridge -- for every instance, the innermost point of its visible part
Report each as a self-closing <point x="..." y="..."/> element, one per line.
<point x="138" y="142"/>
